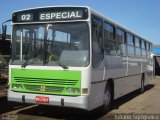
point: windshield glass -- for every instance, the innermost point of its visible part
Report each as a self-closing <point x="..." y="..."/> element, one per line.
<point x="45" y="44"/>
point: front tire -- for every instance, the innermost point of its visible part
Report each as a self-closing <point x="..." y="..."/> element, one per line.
<point x="107" y="99"/>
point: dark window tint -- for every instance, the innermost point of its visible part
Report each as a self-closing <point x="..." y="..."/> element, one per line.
<point x="97" y="53"/>
<point x="144" y="53"/>
<point x="138" y="52"/>
<point x="108" y="31"/>
<point x="120" y="35"/>
<point x="137" y="42"/>
<point x="110" y="47"/>
<point x="121" y="49"/>
<point x="130" y="40"/>
<point x="143" y="44"/>
<point x="130" y="50"/>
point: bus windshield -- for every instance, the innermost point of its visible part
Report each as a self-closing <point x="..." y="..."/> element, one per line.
<point x="45" y="44"/>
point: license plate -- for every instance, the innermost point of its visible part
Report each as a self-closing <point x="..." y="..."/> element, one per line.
<point x="42" y="99"/>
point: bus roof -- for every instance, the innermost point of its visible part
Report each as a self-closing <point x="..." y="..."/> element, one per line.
<point x="51" y="7"/>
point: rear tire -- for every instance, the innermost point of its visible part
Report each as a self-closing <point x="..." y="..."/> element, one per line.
<point x="107" y="99"/>
<point x="142" y="84"/>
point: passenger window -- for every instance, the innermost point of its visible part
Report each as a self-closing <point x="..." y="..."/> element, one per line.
<point x="144" y="54"/>
<point x="147" y="46"/>
<point x="137" y="42"/>
<point x="130" y="39"/>
<point x="108" y="31"/>
<point x="120" y="35"/>
<point x="121" y="46"/>
<point x="110" y="47"/>
<point x="109" y="42"/>
<point x="121" y="49"/>
<point x="138" y="52"/>
<point x="130" y="50"/>
<point x="150" y="47"/>
<point x="143" y="44"/>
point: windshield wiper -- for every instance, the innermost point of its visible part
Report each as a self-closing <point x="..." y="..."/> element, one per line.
<point x="60" y="63"/>
<point x="26" y="62"/>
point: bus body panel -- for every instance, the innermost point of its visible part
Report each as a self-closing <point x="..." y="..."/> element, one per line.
<point x="126" y="73"/>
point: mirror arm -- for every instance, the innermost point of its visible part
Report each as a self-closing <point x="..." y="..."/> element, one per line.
<point x="7" y="21"/>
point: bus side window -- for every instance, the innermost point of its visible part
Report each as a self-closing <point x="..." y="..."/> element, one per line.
<point x="97" y="35"/>
<point x="121" y="46"/>
<point x="137" y="47"/>
<point x="144" y="51"/>
<point x="109" y="42"/>
<point x="130" y="45"/>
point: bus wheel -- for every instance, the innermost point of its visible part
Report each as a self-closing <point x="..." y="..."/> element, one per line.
<point x="107" y="98"/>
<point x="142" y="84"/>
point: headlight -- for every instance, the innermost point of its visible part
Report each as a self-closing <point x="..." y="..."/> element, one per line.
<point x="16" y="86"/>
<point x="73" y="90"/>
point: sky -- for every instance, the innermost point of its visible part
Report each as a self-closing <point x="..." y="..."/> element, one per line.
<point x="140" y="16"/>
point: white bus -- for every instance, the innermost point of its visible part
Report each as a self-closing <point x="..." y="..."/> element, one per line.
<point x="73" y="56"/>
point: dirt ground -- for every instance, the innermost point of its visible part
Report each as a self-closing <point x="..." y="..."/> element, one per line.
<point x="133" y="106"/>
<point x="136" y="105"/>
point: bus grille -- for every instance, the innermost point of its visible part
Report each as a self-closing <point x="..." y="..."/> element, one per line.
<point x="51" y="85"/>
<point x="59" y="82"/>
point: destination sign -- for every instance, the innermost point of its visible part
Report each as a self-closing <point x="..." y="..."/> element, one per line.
<point x="51" y="14"/>
<point x="61" y="15"/>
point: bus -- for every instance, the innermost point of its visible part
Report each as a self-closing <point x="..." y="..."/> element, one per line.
<point x="73" y="56"/>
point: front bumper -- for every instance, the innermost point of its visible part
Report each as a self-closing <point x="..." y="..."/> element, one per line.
<point x="66" y="101"/>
